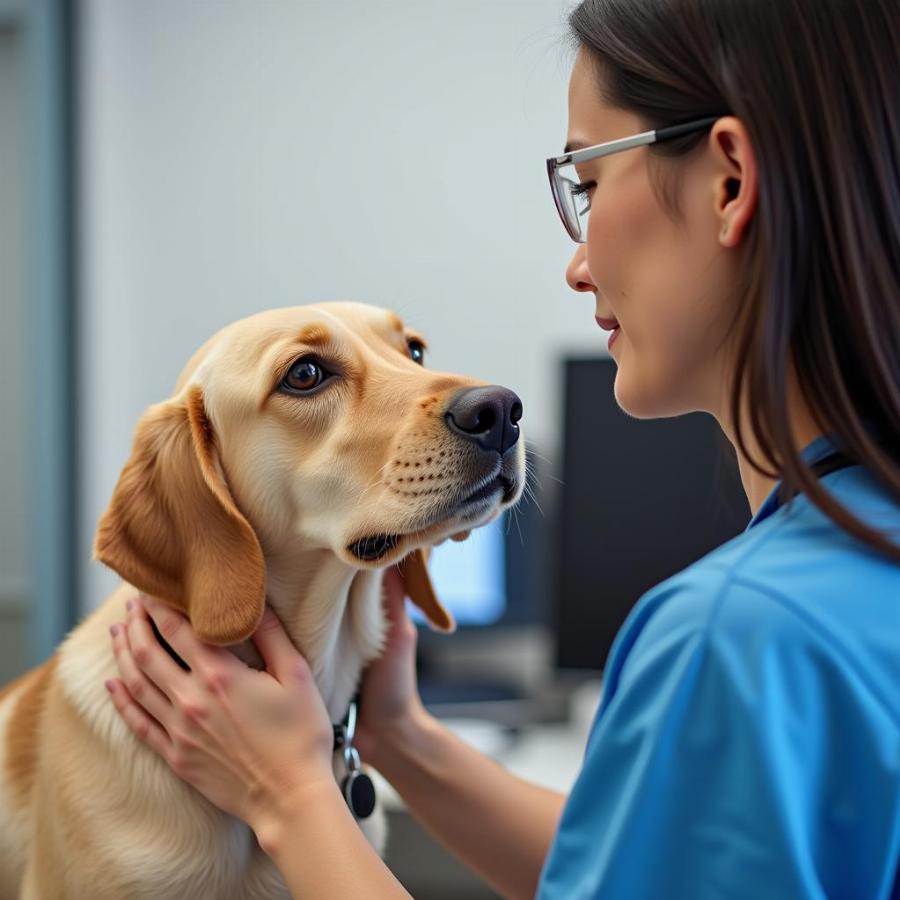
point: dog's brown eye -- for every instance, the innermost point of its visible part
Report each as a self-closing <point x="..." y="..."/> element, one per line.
<point x="416" y="351"/>
<point x="304" y="376"/>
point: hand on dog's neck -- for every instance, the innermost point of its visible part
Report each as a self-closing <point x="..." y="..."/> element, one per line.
<point x="334" y="618"/>
<point x="332" y="613"/>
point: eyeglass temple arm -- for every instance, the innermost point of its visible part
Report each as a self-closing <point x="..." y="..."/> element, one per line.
<point x="674" y="131"/>
<point x="645" y="137"/>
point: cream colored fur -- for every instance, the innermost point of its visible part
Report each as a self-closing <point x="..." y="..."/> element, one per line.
<point x="235" y="495"/>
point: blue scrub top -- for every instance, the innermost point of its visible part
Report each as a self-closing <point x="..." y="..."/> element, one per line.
<point x="747" y="743"/>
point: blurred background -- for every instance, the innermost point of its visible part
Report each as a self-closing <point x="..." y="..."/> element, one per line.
<point x="169" y="166"/>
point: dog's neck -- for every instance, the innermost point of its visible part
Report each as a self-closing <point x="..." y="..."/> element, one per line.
<point x="333" y="614"/>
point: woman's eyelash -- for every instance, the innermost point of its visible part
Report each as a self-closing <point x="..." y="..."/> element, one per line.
<point x="584" y="187"/>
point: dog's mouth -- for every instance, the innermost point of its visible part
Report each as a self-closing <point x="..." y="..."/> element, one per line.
<point x="374" y="547"/>
<point x="497" y="483"/>
<point x="371" y="548"/>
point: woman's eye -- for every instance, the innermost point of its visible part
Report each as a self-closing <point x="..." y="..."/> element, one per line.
<point x="416" y="351"/>
<point x="581" y="195"/>
<point x="304" y="375"/>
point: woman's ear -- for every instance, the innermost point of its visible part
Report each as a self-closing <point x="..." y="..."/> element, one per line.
<point x="172" y="528"/>
<point x="419" y="589"/>
<point x="736" y="179"/>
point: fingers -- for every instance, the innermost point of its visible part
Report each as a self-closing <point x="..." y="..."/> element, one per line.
<point x="280" y="655"/>
<point x="147" y="654"/>
<point x="140" y="689"/>
<point x="144" y="727"/>
<point x="177" y="631"/>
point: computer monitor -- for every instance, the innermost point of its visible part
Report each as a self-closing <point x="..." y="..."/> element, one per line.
<point x="641" y="500"/>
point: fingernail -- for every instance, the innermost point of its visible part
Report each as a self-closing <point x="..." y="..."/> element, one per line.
<point x="129" y="605"/>
<point x="113" y="630"/>
<point x="109" y="685"/>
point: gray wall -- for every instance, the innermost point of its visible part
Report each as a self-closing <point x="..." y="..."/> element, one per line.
<point x="243" y="155"/>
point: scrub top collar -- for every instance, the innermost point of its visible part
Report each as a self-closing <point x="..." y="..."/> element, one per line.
<point x="811" y="453"/>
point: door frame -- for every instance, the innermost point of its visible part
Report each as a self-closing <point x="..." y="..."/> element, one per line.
<point x="46" y="29"/>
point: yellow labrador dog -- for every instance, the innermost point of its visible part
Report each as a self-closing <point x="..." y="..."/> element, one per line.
<point x="303" y="452"/>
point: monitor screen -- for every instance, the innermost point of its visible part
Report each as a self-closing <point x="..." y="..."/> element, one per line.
<point x="641" y="500"/>
<point x="470" y="576"/>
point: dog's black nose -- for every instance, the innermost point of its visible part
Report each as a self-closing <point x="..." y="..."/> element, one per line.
<point x="488" y="416"/>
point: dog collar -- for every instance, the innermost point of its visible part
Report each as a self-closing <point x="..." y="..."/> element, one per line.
<point x="345" y="730"/>
<point x="356" y="786"/>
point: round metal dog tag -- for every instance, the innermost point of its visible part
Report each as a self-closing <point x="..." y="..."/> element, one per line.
<point x="359" y="792"/>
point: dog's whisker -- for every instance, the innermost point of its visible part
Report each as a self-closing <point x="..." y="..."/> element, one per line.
<point x="534" y="452"/>
<point x="519" y="529"/>
<point x="532" y="496"/>
<point x="375" y="480"/>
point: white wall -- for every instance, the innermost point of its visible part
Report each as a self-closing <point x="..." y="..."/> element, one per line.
<point x="244" y="154"/>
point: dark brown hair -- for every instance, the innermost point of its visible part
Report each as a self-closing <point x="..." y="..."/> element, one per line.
<point x="817" y="85"/>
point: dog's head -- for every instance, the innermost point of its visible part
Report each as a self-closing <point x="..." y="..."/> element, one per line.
<point x="314" y="427"/>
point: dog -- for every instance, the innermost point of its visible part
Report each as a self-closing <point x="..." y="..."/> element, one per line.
<point x="303" y="452"/>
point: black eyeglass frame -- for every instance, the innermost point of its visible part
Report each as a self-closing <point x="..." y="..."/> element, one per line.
<point x="657" y="136"/>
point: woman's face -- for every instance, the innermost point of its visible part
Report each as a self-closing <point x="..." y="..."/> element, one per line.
<point x="666" y="283"/>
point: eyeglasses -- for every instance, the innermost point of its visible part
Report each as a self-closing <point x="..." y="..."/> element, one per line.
<point x="572" y="198"/>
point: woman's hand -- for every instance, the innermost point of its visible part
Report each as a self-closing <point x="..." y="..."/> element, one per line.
<point x="389" y="699"/>
<point x="249" y="740"/>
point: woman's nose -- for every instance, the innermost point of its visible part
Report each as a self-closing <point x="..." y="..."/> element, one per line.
<point x="577" y="275"/>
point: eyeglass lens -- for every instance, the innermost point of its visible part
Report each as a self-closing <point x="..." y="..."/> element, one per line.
<point x="574" y="203"/>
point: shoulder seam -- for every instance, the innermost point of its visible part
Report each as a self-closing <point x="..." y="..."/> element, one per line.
<point x="829" y="480"/>
<point x="775" y="528"/>
<point x="797" y="612"/>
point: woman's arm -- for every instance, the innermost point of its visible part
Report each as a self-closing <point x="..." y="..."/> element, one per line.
<point x="499" y="825"/>
<point x="320" y="850"/>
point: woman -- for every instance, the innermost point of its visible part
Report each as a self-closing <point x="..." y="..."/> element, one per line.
<point x="747" y="742"/>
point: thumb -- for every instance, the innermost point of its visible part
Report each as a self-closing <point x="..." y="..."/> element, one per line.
<point x="394" y="596"/>
<point x="281" y="657"/>
<point x="401" y="631"/>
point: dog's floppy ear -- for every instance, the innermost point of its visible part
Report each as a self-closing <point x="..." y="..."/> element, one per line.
<point x="172" y="528"/>
<point x="419" y="589"/>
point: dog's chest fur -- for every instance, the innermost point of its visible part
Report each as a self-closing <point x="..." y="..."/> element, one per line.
<point x="146" y="833"/>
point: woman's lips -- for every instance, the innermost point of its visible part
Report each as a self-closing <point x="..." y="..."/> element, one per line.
<point x="609" y="325"/>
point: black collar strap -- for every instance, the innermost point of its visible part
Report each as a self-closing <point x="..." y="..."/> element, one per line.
<point x="824" y="466"/>
<point x="168" y="647"/>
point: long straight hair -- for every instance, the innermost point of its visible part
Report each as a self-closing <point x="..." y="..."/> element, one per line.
<point x="817" y="85"/>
